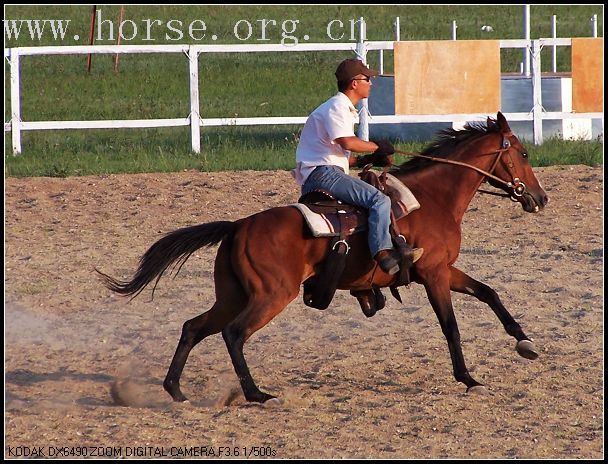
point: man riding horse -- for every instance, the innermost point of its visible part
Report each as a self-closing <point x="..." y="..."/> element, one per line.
<point x="323" y="159"/>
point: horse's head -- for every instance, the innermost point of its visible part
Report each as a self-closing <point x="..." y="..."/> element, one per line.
<point x="513" y="167"/>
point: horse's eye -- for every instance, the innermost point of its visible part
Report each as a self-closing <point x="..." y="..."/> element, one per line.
<point x="524" y="154"/>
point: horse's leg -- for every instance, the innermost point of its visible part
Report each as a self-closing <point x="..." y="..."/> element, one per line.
<point x="230" y="300"/>
<point x="193" y="332"/>
<point x="437" y="285"/>
<point x="258" y="313"/>
<point x="270" y="264"/>
<point x="462" y="283"/>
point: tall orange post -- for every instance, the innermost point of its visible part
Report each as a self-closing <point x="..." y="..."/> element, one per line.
<point x="587" y="75"/>
<point x="122" y="15"/>
<point x="91" y="35"/>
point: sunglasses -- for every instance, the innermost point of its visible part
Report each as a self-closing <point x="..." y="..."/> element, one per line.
<point x="366" y="78"/>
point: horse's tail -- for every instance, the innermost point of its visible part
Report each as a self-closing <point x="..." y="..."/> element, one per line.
<point x="175" y="247"/>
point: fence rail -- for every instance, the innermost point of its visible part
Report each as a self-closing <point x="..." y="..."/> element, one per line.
<point x="361" y="48"/>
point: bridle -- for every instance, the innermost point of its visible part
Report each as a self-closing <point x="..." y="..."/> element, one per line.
<point x="516" y="186"/>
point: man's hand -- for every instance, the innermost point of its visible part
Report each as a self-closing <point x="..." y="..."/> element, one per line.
<point x="380" y="158"/>
<point x="384" y="147"/>
<point x="377" y="159"/>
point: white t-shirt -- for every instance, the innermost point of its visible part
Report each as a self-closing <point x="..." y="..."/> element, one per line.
<point x="333" y="119"/>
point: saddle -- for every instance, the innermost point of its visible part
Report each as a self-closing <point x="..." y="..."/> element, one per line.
<point x="329" y="217"/>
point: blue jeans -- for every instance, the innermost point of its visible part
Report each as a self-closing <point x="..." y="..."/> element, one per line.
<point x="356" y="192"/>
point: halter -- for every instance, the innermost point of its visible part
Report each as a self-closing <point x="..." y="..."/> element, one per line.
<point x="517" y="187"/>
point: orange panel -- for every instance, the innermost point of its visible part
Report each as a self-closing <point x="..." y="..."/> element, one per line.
<point x="447" y="77"/>
<point x="587" y="75"/>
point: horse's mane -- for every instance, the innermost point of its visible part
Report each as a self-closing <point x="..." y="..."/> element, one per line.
<point x="445" y="143"/>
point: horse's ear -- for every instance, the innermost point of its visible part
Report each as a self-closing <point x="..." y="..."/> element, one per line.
<point x="502" y="123"/>
<point x="491" y="123"/>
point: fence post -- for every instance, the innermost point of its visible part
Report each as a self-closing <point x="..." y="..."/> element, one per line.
<point x="397" y="29"/>
<point x="15" y="102"/>
<point x="537" y="109"/>
<point x="363" y="106"/>
<point x="195" y="116"/>
<point x="527" y="37"/>
<point x="594" y="26"/>
<point x="554" y="47"/>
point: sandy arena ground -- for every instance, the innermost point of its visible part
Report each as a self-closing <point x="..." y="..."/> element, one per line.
<point x="351" y="386"/>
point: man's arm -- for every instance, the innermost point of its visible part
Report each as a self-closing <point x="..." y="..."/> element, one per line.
<point x="356" y="145"/>
<point x="381" y="150"/>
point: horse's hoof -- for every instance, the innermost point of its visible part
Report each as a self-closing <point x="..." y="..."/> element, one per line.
<point x="259" y="397"/>
<point x="525" y="348"/>
<point x="181" y="404"/>
<point x="478" y="390"/>
<point x="179" y="398"/>
<point x="273" y="403"/>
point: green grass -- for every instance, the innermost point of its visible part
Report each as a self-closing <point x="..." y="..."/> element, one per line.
<point x="62" y="153"/>
<point x="240" y="84"/>
<point x="226" y="148"/>
<point x="556" y="151"/>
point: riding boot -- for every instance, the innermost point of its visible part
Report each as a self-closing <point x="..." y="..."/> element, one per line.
<point x="388" y="260"/>
<point x="410" y="255"/>
<point x="371" y="300"/>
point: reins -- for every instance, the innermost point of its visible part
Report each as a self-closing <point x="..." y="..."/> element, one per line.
<point x="460" y="163"/>
<point x="466" y="165"/>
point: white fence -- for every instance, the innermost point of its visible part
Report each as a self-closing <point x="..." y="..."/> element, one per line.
<point x="194" y="120"/>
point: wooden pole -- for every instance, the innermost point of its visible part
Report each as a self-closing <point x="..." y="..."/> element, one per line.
<point x="122" y="15"/>
<point x="91" y="35"/>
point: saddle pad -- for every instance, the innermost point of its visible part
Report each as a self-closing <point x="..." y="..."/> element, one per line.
<point x="406" y="197"/>
<point x="317" y="223"/>
<point x="321" y="226"/>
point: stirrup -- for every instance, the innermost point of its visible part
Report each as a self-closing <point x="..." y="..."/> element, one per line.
<point x="416" y="254"/>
